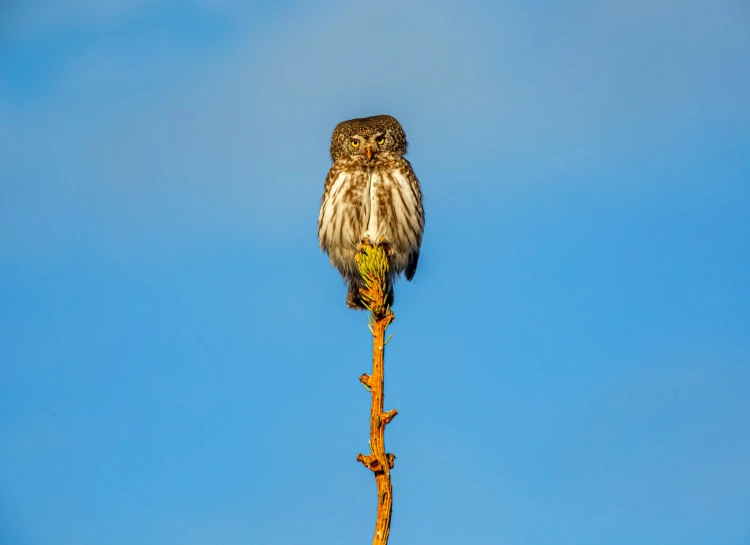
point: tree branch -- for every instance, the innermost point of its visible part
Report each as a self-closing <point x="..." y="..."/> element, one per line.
<point x="373" y="267"/>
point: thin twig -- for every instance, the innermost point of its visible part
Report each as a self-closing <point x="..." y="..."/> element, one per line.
<point x="373" y="266"/>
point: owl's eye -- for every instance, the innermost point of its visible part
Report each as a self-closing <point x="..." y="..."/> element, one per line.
<point x="380" y="140"/>
<point x="354" y="143"/>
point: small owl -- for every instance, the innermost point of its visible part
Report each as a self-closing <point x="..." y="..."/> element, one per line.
<point x="372" y="194"/>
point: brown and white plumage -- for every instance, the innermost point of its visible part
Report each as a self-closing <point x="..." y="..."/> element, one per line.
<point x="371" y="193"/>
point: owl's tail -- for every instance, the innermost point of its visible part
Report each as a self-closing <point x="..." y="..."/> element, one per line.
<point x="354" y="297"/>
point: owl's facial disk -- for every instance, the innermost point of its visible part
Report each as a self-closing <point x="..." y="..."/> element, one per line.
<point x="382" y="134"/>
<point x="368" y="146"/>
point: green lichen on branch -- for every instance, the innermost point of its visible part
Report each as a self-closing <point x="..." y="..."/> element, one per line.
<point x="372" y="262"/>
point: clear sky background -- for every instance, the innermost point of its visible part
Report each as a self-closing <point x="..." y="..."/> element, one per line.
<point x="571" y="364"/>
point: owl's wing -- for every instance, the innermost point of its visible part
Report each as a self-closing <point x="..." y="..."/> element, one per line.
<point x="339" y="221"/>
<point x="415" y="218"/>
<point x="411" y="265"/>
<point x="327" y="208"/>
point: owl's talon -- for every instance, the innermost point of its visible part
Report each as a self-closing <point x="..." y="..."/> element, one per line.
<point x="364" y="244"/>
<point x="386" y="246"/>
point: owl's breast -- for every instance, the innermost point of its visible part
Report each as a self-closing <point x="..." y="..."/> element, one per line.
<point x="388" y="203"/>
<point x="364" y="195"/>
<point x="382" y="205"/>
<point x="344" y="211"/>
<point x="375" y="203"/>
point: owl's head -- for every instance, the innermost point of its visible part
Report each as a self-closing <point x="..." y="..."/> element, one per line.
<point x="367" y="137"/>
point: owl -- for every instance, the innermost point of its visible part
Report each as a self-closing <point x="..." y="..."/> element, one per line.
<point x="371" y="194"/>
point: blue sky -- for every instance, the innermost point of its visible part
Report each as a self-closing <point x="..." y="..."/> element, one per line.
<point x="571" y="364"/>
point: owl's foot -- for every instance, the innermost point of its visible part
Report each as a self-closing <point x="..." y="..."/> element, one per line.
<point x="363" y="244"/>
<point x="382" y="242"/>
<point x="386" y="246"/>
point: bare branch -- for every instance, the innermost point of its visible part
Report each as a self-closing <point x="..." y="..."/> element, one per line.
<point x="373" y="267"/>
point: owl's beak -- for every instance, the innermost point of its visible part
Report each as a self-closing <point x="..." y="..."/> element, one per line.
<point x="368" y="152"/>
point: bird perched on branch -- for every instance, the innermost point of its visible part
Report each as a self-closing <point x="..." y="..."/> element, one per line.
<point x="372" y="196"/>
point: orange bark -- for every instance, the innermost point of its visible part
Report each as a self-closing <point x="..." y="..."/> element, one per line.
<point x="378" y="461"/>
